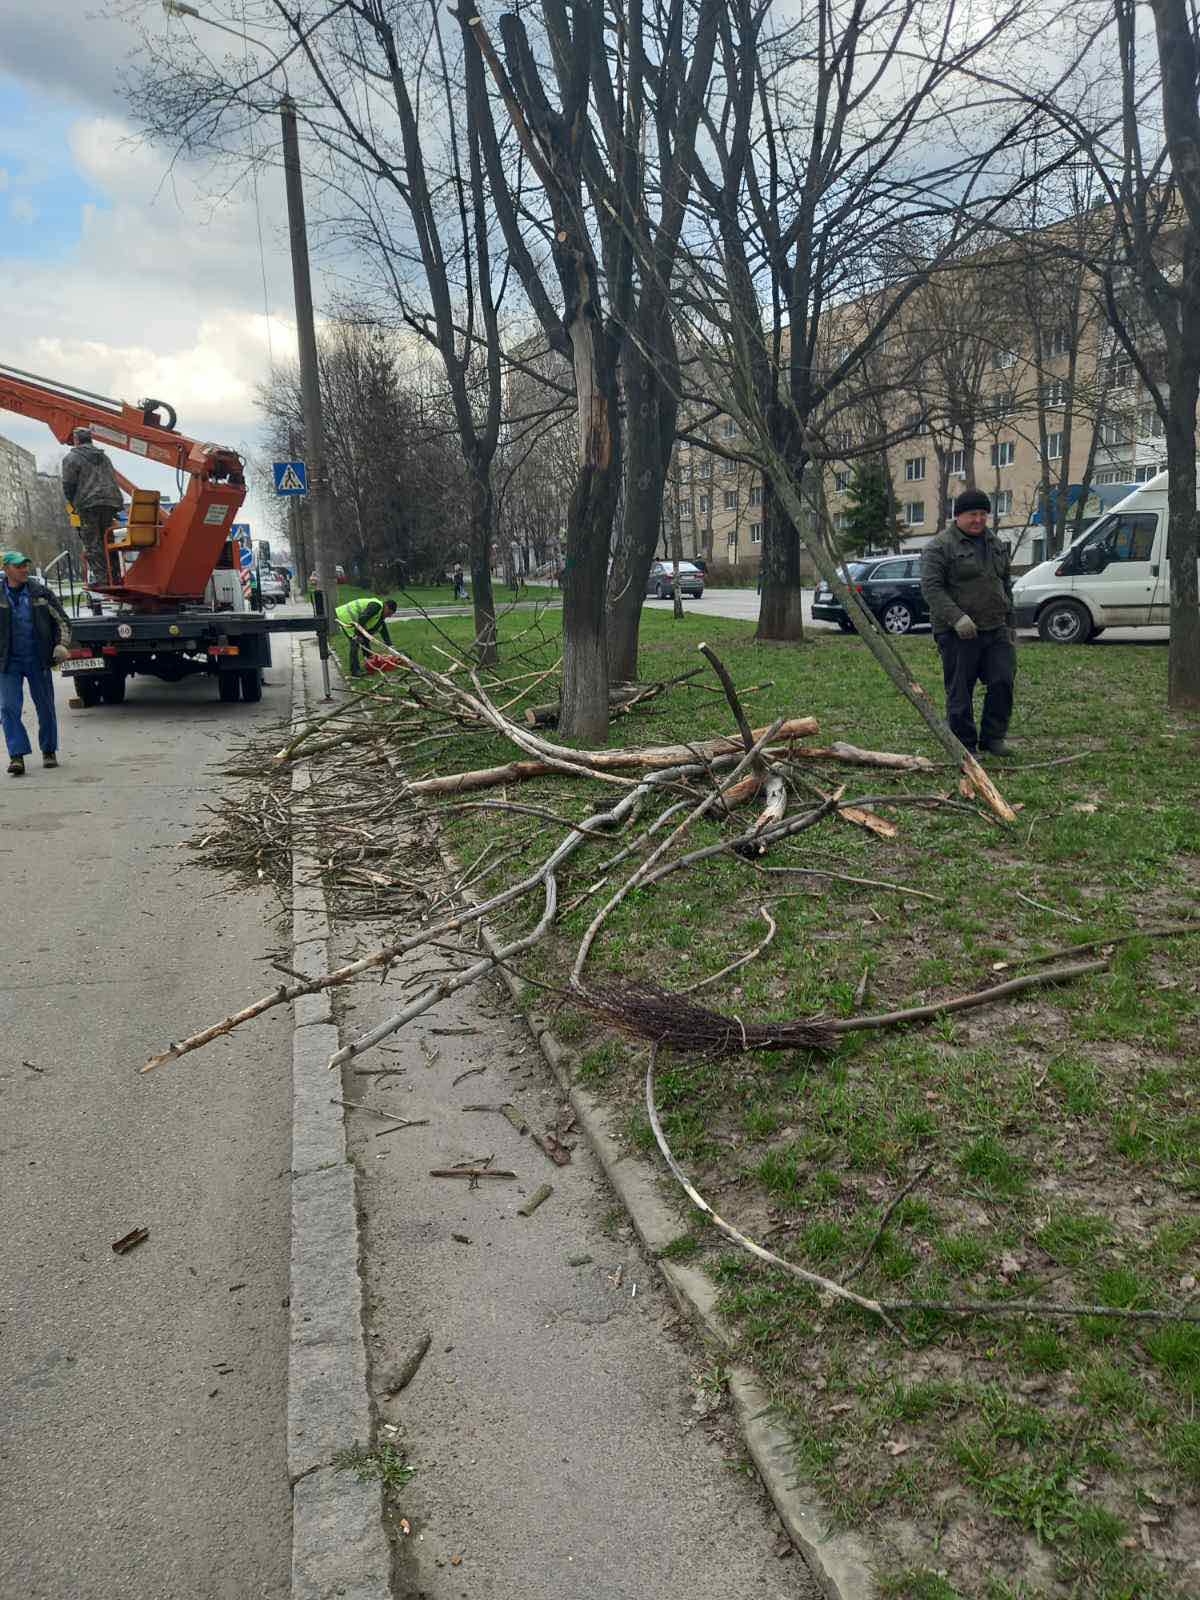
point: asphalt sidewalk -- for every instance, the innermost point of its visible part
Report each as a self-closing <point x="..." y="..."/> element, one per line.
<point x="568" y="1433"/>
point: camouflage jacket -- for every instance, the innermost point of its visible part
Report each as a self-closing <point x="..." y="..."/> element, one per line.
<point x="963" y="574"/>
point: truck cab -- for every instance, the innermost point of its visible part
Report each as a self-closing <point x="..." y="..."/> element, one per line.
<point x="1114" y="576"/>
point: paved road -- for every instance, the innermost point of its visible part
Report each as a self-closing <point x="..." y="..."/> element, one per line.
<point x="131" y="1468"/>
<point x="744" y="603"/>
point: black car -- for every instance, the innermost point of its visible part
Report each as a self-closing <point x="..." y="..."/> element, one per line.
<point x="889" y="586"/>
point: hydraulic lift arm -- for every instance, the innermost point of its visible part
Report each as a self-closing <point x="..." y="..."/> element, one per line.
<point x="190" y="539"/>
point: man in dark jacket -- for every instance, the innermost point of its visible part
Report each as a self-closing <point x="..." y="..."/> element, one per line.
<point x="33" y="628"/>
<point x="90" y="484"/>
<point x="966" y="579"/>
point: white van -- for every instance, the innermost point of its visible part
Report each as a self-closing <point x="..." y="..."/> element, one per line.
<point x="1114" y="576"/>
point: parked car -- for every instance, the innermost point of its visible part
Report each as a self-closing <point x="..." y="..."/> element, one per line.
<point x="889" y="586"/>
<point x="661" y="582"/>
<point x="272" y="588"/>
<point x="1115" y="576"/>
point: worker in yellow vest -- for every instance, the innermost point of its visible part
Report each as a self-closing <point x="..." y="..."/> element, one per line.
<point x="360" y="617"/>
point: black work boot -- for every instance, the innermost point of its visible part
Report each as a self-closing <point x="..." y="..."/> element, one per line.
<point x="16" y="767"/>
<point x="49" y="758"/>
<point x="998" y="747"/>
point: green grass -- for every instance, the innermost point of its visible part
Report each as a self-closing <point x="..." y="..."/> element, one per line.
<point x="425" y="596"/>
<point x="386" y="1464"/>
<point x="1063" y="1128"/>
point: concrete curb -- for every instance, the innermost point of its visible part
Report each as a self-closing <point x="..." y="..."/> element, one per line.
<point x="339" y="1547"/>
<point x="841" y="1563"/>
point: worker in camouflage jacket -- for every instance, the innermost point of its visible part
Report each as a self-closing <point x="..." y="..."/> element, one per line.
<point x="966" y="578"/>
<point x="360" y="618"/>
<point x="90" y="486"/>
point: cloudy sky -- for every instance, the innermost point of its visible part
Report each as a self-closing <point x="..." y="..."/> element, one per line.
<point x="120" y="272"/>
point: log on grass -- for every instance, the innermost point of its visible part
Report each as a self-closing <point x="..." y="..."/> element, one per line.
<point x="851" y="755"/>
<point x="650" y="759"/>
<point x="621" y="697"/>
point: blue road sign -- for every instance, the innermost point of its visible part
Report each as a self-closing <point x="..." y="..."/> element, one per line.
<point x="245" y="555"/>
<point x="241" y="532"/>
<point x="291" y="477"/>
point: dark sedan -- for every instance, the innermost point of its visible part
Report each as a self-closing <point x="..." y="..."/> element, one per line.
<point x="889" y="586"/>
<point x="661" y="582"/>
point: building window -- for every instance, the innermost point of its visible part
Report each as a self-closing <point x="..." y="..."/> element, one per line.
<point x="1150" y="424"/>
<point x="728" y="468"/>
<point x="948" y="510"/>
<point x="703" y="505"/>
<point x="841" y="482"/>
<point x="1003" y="502"/>
<point x="1118" y="474"/>
<point x="841" y="441"/>
<point x="841" y="522"/>
<point x="1004" y="454"/>
<point x="956" y="464"/>
<point x="685" y="511"/>
<point x="756" y="533"/>
<point x="1144" y="474"/>
<point x="1119" y="372"/>
<point x="999" y="404"/>
<point x="729" y="429"/>
<point x="756" y="494"/>
<point x="1055" y="394"/>
<point x="1003" y="359"/>
<point x="731" y="499"/>
<point x="704" y="470"/>
<point x="914" y="469"/>
<point x="1054" y="443"/>
<point x="1114" y="434"/>
<point x="731" y="545"/>
<point x="916" y="424"/>
<point x="1059" y="343"/>
<point x="914" y="512"/>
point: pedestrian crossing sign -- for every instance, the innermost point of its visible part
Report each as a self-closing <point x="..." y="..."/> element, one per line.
<point x="291" y="477"/>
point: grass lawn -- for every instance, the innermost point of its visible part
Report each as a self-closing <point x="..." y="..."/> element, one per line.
<point x="425" y="596"/>
<point x="994" y="1459"/>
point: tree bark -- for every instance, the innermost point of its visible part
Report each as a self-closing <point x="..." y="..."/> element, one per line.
<point x="1183" y="542"/>
<point x="781" y="609"/>
<point x="651" y="412"/>
<point x="482" y="514"/>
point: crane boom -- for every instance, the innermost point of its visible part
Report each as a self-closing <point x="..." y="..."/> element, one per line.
<point x="191" y="538"/>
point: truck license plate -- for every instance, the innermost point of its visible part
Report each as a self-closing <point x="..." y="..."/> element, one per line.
<point x="85" y="664"/>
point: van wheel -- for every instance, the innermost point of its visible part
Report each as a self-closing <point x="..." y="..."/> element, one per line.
<point x="87" y="688"/>
<point x="1065" y="622"/>
<point x="228" y="685"/>
<point x="112" y="688"/>
<point x="897" y="618"/>
<point x="251" y="684"/>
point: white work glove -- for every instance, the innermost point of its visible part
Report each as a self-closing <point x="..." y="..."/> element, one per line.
<point x="965" y="628"/>
<point x="60" y="653"/>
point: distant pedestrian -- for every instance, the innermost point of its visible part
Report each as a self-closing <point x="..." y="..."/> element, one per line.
<point x="90" y="485"/>
<point x="33" y="631"/>
<point x="966" y="578"/>
<point x="358" y="618"/>
<point x="460" y="582"/>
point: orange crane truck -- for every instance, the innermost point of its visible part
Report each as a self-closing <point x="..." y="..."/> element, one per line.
<point x="174" y="576"/>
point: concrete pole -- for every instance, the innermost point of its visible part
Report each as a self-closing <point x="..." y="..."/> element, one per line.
<point x="310" y="385"/>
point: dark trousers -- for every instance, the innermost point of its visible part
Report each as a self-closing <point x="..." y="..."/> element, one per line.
<point x="991" y="659"/>
<point x="94" y="526"/>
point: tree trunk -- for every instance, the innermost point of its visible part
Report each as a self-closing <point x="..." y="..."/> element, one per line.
<point x="482" y="516"/>
<point x="651" y="411"/>
<point x="1183" y="543"/>
<point x="781" y="609"/>
<point x="589" y="530"/>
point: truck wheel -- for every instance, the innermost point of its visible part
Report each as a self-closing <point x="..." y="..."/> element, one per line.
<point x="228" y="684"/>
<point x="1065" y="622"/>
<point x="251" y="678"/>
<point x="87" y="688"/>
<point x="112" y="688"/>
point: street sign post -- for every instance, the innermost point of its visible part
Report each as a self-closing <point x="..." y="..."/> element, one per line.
<point x="291" y="477"/>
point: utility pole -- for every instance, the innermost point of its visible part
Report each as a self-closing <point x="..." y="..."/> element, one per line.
<point x="296" y="536"/>
<point x="310" y="383"/>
